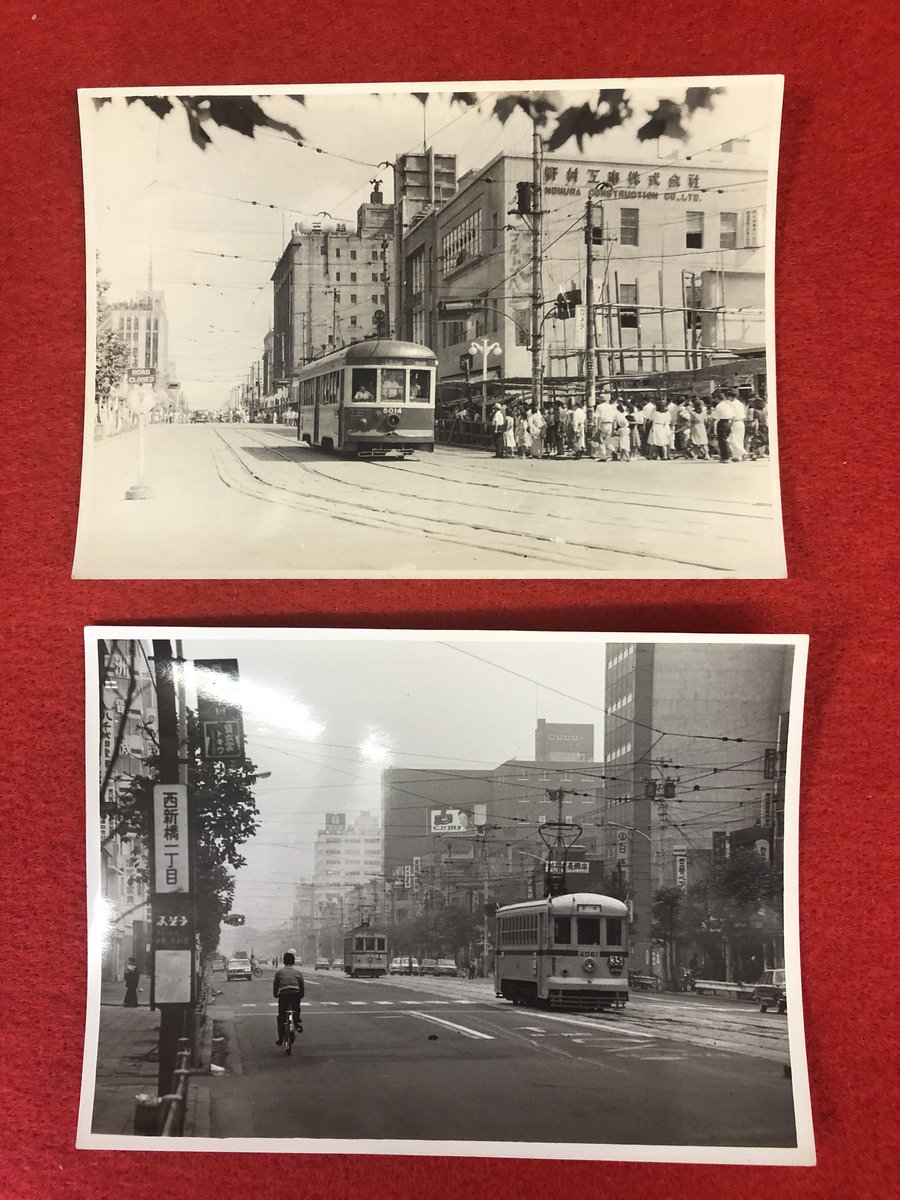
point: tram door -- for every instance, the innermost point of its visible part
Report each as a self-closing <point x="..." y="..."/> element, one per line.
<point x="317" y="404"/>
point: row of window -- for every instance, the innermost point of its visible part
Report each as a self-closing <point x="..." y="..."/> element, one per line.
<point x="461" y="243"/>
<point x="377" y="277"/>
<point x="522" y="930"/>
<point x="336" y="250"/>
<point x="363" y="944"/>
<point x="620" y="704"/>
<point x="375" y="298"/>
<point x="622" y="655"/>
<point x="620" y="753"/>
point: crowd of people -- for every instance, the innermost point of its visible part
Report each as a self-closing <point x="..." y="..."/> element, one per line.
<point x="725" y="427"/>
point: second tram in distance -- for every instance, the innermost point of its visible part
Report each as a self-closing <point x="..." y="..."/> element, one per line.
<point x="370" y="399"/>
<point x="563" y="952"/>
<point x="365" y="952"/>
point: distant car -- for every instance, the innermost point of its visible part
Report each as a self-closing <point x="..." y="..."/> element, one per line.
<point x="770" y="992"/>
<point x="428" y="965"/>
<point x="199" y="415"/>
<point x="323" y="964"/>
<point x="238" y="968"/>
<point x="404" y="965"/>
<point x="445" y="966"/>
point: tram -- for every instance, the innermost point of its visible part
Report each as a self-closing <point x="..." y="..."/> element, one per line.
<point x="365" y="952"/>
<point x="563" y="952"/>
<point x="369" y="399"/>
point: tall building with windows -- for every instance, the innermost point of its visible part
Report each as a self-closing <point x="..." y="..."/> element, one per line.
<point x="694" y="745"/>
<point x="142" y="325"/>
<point x="678" y="254"/>
<point x="331" y="286"/>
<point x="348" y="853"/>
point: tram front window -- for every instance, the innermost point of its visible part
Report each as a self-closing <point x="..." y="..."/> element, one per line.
<point x="614" y="931"/>
<point x="588" y="931"/>
<point x="419" y="387"/>
<point x="393" y="386"/>
<point x="364" y="380"/>
<point x="562" y="931"/>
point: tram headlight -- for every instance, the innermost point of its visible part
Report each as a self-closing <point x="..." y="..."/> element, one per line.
<point x="589" y="966"/>
<point x="393" y="421"/>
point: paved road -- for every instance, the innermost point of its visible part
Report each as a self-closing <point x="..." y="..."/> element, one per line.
<point x="445" y="1060"/>
<point x="247" y="499"/>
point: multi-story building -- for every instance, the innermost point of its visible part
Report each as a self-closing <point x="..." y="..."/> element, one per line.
<point x="331" y="286"/>
<point x="142" y="325"/>
<point x="693" y="747"/>
<point x="348" y="854"/>
<point x="128" y="710"/>
<point x="462" y="837"/>
<point x="678" y="268"/>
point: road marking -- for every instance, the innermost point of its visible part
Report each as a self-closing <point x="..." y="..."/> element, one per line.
<point x="357" y="1001"/>
<point x="329" y="1003"/>
<point x="254" y="1005"/>
<point x="390" y="1002"/>
<point x="463" y="1029"/>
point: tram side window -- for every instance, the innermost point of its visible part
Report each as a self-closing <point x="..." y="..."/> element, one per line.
<point x="614" y="931"/>
<point x="588" y="931"/>
<point x="360" y="943"/>
<point x="419" y="386"/>
<point x="562" y="931"/>
<point x="393" y="386"/>
<point x="364" y="385"/>
<point x="380" y="944"/>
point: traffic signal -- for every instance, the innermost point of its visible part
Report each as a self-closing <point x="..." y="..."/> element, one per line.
<point x="233" y="919"/>
<point x="524" y="198"/>
<point x="595" y="235"/>
<point x="566" y="303"/>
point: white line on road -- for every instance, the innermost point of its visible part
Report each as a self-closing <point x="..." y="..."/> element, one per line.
<point x="463" y="1029"/>
<point x="357" y="1001"/>
<point x="390" y="1002"/>
<point x="598" y="1026"/>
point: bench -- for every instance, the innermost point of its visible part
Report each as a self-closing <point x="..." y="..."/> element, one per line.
<point x="719" y="987"/>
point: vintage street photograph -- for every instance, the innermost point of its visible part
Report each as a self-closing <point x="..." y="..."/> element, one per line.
<point x="526" y="895"/>
<point x="506" y="329"/>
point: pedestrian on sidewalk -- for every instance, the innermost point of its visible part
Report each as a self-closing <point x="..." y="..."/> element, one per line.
<point x="132" y="979"/>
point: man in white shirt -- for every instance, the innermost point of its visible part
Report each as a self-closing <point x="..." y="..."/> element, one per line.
<point x="578" y="427"/>
<point x="724" y="415"/>
<point x="605" y="417"/>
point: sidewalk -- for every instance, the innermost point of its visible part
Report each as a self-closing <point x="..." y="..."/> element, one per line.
<point x="127" y="1066"/>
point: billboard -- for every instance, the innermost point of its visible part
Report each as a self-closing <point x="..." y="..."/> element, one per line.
<point x="456" y="820"/>
<point x="218" y="708"/>
<point x="335" y="822"/>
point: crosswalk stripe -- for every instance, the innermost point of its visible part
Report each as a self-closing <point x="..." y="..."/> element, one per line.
<point x="390" y="1002"/>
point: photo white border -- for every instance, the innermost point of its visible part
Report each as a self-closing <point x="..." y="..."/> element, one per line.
<point x="86" y="112"/>
<point x="802" y="1155"/>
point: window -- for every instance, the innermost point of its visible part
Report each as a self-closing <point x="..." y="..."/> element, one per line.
<point x="374" y="256"/>
<point x="628" y="297"/>
<point x="353" y="322"/>
<point x="374" y="299"/>
<point x="337" y="253"/>
<point x="420" y="386"/>
<point x="393" y="386"/>
<point x="353" y="255"/>
<point x="337" y="277"/>
<point x="461" y="243"/>
<point x="364" y="383"/>
<point x="693" y="238"/>
<point x="374" y="276"/>
<point x="353" y="277"/>
<point x="588" y="931"/>
<point x="353" y="298"/>
<point x="495" y="229"/>
<point x="629" y="226"/>
<point x="614" y="931"/>
<point x="562" y="931"/>
<point x="727" y="231"/>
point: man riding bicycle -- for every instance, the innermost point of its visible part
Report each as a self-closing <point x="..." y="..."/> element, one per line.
<point x="287" y="988"/>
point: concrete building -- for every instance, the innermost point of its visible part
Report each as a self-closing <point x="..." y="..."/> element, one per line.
<point x="128" y="707"/>
<point x="678" y="253"/>
<point x="694" y="749"/>
<point x="142" y="325"/>
<point x="330" y="286"/>
<point x="348" y="853"/>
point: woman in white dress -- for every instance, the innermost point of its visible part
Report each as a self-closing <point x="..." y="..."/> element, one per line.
<point x="660" y="428"/>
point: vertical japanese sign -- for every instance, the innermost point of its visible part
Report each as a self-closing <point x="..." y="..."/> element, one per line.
<point x="171" y="850"/>
<point x="171" y="904"/>
<point x="219" y="709"/>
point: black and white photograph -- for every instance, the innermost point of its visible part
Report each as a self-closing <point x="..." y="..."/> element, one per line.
<point x="524" y="895"/>
<point x="501" y="329"/>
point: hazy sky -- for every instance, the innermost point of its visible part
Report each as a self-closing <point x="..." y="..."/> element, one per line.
<point x="327" y="717"/>
<point x="154" y="191"/>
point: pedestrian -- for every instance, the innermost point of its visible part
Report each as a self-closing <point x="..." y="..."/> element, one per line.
<point x="288" y="989"/>
<point x="498" y="426"/>
<point x="621" y="438"/>
<point x="723" y="413"/>
<point x="579" y="423"/>
<point x="660" y="430"/>
<point x="646" y="420"/>
<point x="523" y="434"/>
<point x="509" y="433"/>
<point x="536" y="427"/>
<point x="550" y="431"/>
<point x="132" y="978"/>
<point x="605" y="422"/>
<point x="699" y="442"/>
<point x="738" y="427"/>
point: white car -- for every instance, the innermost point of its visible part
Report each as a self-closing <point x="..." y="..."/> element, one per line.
<point x="238" y="968"/>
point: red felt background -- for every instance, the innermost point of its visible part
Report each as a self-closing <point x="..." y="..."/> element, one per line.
<point x="836" y="300"/>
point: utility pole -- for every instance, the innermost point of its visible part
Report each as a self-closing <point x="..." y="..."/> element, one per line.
<point x="558" y="836"/>
<point x="536" y="267"/>
<point x="387" y="287"/>
<point x="590" y="333"/>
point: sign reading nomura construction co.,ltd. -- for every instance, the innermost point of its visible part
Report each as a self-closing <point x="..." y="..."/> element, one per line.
<point x="219" y="708"/>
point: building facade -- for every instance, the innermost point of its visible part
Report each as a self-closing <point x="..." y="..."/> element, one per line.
<point x="331" y="286"/>
<point x="694" y="746"/>
<point x="678" y="269"/>
<point x="142" y="325"/>
<point x="348" y="854"/>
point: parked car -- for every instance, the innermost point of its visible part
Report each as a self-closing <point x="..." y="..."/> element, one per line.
<point x="323" y="964"/>
<point x="427" y="966"/>
<point x="238" y="968"/>
<point x="445" y="966"/>
<point x="770" y="992"/>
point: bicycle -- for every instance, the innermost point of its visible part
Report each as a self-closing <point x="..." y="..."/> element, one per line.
<point x="291" y="1028"/>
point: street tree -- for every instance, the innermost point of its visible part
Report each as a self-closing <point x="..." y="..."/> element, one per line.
<point x="666" y="923"/>
<point x="735" y="907"/>
<point x="558" y="122"/>
<point x="112" y="353"/>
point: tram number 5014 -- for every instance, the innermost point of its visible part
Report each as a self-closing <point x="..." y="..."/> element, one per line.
<point x="391" y="412"/>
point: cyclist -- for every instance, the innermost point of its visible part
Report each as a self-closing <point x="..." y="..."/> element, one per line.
<point x="287" y="988"/>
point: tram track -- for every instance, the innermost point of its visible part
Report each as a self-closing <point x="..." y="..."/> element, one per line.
<point x="577" y="556"/>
